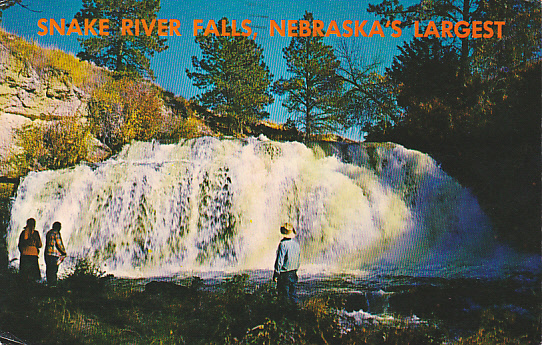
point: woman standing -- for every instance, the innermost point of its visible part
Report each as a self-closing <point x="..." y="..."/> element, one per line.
<point x="29" y="245"/>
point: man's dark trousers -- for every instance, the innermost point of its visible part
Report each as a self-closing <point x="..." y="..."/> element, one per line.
<point x="286" y="286"/>
<point x="52" y="269"/>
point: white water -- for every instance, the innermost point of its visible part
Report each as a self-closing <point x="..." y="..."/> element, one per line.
<point x="210" y="204"/>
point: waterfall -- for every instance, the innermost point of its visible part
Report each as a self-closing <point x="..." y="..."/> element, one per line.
<point x="217" y="204"/>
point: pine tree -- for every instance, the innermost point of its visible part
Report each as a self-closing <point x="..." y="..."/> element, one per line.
<point x="233" y="77"/>
<point x="314" y="87"/>
<point x="521" y="34"/>
<point x="124" y="54"/>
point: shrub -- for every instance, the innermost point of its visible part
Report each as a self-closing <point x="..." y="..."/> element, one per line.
<point x="85" y="276"/>
<point x="51" y="145"/>
<point x="125" y="109"/>
<point x="191" y="127"/>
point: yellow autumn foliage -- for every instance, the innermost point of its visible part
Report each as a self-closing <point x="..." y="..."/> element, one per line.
<point x="51" y="145"/>
<point x="122" y="110"/>
<point x="50" y="60"/>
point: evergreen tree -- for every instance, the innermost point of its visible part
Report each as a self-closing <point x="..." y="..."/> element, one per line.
<point x="124" y="54"/>
<point x="424" y="69"/>
<point x="314" y="87"/>
<point x="435" y="10"/>
<point x="233" y="76"/>
<point x="521" y="34"/>
<point x="425" y="81"/>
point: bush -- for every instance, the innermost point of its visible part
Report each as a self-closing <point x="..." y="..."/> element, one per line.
<point x="51" y="145"/>
<point x="85" y="276"/>
<point x="125" y="109"/>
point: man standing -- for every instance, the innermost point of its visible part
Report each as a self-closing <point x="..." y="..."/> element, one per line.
<point x="287" y="264"/>
<point x="54" y="253"/>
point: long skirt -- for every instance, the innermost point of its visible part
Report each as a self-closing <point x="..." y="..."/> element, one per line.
<point x="29" y="268"/>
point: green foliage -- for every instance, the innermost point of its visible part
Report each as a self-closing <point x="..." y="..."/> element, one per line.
<point x="176" y="127"/>
<point x="522" y="37"/>
<point x="434" y="10"/>
<point x="51" y="145"/>
<point x="233" y="77"/>
<point x="124" y="54"/>
<point x="84" y="277"/>
<point x="314" y="86"/>
<point x="125" y="109"/>
<point x="368" y="99"/>
<point x="417" y="75"/>
<point x="419" y="70"/>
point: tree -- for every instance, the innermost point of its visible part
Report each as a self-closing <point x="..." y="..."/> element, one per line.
<point x="5" y="4"/>
<point x="124" y="54"/>
<point x="521" y="41"/>
<point x="314" y="87"/>
<point x="427" y="87"/>
<point x="233" y="76"/>
<point x="424" y="69"/>
<point x="368" y="99"/>
<point x="522" y="29"/>
<point x="435" y="10"/>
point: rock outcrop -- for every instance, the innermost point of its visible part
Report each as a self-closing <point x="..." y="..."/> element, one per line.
<point x="46" y="95"/>
<point x="31" y="95"/>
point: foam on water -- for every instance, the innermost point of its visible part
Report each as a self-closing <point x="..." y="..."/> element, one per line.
<point x="210" y="204"/>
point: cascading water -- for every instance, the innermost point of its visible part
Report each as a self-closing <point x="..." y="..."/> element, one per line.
<point x="210" y="204"/>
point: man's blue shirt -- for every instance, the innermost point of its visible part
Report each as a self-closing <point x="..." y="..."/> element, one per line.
<point x="288" y="254"/>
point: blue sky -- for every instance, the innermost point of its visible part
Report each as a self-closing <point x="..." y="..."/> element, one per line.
<point x="169" y="66"/>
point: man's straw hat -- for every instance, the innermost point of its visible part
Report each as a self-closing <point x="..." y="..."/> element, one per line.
<point x="287" y="230"/>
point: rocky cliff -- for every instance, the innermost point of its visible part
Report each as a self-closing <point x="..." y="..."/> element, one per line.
<point x="37" y="85"/>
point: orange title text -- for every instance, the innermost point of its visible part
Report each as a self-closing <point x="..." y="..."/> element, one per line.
<point x="277" y="28"/>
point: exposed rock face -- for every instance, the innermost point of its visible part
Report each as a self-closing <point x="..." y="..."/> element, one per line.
<point x="48" y="96"/>
<point x="28" y="96"/>
<point x="8" y="124"/>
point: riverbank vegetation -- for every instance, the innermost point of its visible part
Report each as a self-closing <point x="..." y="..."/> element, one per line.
<point x="90" y="308"/>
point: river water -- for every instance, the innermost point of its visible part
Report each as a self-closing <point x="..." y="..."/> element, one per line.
<point x="380" y="225"/>
<point x="211" y="204"/>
